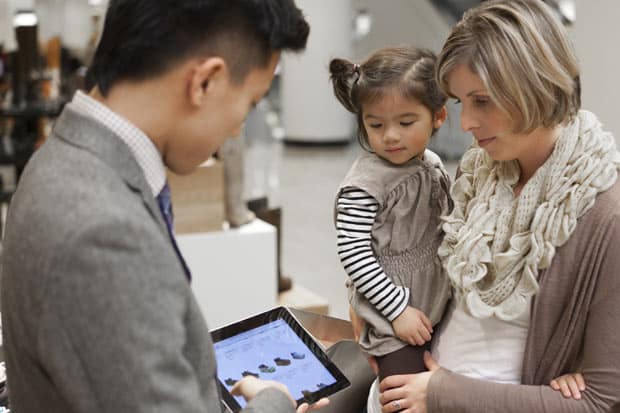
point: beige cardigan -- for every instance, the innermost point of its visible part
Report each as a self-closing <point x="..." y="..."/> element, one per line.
<point x="575" y="321"/>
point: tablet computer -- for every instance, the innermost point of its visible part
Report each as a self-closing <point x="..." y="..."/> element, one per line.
<point x="274" y="346"/>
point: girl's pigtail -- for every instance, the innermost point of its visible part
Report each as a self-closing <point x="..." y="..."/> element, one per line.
<point x="343" y="74"/>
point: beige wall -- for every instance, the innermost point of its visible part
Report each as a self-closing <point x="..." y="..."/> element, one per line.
<point x="397" y="22"/>
<point x="418" y="23"/>
<point x="596" y="35"/>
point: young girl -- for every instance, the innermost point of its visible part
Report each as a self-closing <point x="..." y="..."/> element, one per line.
<point x="389" y="204"/>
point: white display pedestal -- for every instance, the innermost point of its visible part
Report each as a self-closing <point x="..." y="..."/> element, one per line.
<point x="233" y="271"/>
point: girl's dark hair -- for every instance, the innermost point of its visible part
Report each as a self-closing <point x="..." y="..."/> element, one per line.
<point x="409" y="70"/>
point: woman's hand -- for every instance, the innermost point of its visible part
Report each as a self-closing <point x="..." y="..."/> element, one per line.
<point x="407" y="392"/>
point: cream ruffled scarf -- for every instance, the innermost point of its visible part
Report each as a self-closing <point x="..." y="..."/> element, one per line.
<point x="496" y="244"/>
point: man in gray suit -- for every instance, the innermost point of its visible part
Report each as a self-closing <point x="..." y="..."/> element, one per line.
<point x="98" y="314"/>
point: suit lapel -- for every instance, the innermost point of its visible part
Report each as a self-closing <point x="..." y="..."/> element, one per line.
<point x="90" y="135"/>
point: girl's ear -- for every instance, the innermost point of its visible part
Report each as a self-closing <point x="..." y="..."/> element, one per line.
<point x="440" y="117"/>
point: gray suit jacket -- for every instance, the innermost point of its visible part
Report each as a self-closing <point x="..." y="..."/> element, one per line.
<point x="97" y="313"/>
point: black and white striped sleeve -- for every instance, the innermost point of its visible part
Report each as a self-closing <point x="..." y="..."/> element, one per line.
<point x="355" y="215"/>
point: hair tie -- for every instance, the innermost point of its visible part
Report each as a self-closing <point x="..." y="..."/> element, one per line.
<point x="357" y="71"/>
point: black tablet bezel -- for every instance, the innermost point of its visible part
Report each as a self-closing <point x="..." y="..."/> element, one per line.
<point x="284" y="314"/>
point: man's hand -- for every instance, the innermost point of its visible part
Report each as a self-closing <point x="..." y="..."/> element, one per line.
<point x="250" y="386"/>
<point x="413" y="326"/>
<point x="305" y="407"/>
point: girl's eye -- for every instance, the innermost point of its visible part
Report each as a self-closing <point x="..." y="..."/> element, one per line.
<point x="375" y="125"/>
<point x="406" y="123"/>
<point x="457" y="101"/>
<point x="481" y="101"/>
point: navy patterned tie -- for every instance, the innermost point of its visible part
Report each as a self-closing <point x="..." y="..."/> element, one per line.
<point x="165" y="206"/>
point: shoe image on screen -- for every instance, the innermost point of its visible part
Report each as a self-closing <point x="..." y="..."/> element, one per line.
<point x="266" y="369"/>
<point x="282" y="362"/>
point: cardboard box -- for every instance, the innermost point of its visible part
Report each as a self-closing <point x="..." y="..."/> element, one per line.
<point x="304" y="299"/>
<point x="198" y="199"/>
<point x="328" y="330"/>
<point x="336" y="336"/>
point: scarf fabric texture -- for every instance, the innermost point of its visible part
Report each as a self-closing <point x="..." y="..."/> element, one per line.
<point x="495" y="244"/>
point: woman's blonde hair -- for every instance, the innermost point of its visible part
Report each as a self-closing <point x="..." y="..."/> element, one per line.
<point x="522" y="54"/>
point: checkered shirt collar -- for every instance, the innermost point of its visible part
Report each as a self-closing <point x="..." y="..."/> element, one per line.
<point x="143" y="149"/>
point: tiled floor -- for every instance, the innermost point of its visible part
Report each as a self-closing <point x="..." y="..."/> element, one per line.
<point x="303" y="181"/>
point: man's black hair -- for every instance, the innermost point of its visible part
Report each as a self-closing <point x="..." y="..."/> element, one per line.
<point x="144" y="38"/>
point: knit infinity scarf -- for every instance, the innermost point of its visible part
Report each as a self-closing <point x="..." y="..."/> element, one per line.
<point x="495" y="243"/>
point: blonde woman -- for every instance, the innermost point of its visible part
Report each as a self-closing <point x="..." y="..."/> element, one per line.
<point x="532" y="247"/>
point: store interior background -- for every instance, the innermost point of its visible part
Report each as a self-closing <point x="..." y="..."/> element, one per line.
<point x="299" y="143"/>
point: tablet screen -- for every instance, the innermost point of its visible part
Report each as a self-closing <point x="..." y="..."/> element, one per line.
<point x="279" y="349"/>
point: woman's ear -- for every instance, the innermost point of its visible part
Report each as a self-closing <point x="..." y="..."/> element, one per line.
<point x="205" y="75"/>
<point x="439" y="117"/>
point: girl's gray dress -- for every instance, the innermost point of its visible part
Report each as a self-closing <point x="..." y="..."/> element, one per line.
<point x="405" y="236"/>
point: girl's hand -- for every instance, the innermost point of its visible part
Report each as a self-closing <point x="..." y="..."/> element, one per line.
<point x="571" y="385"/>
<point x="413" y="326"/>
<point x="407" y="392"/>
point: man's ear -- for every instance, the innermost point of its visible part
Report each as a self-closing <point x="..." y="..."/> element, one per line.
<point x="439" y="117"/>
<point x="205" y="73"/>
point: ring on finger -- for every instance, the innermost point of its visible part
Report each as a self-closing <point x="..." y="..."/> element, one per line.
<point x="396" y="404"/>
